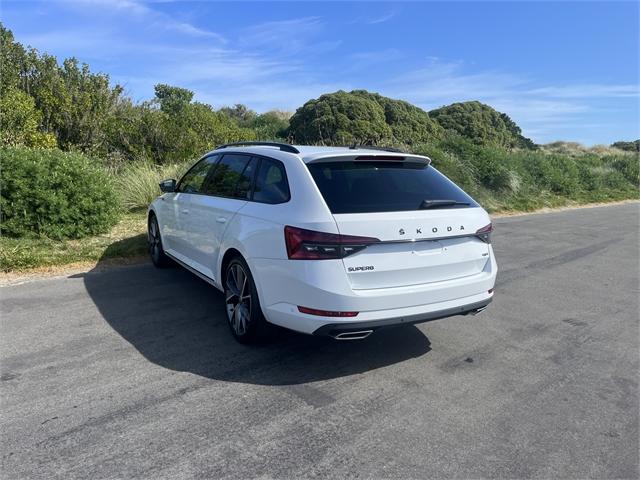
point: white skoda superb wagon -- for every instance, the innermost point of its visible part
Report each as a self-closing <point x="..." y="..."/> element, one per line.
<point x="325" y="240"/>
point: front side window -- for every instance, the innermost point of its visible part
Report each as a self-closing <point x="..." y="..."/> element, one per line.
<point x="232" y="177"/>
<point x="271" y="183"/>
<point x="375" y="186"/>
<point x="193" y="180"/>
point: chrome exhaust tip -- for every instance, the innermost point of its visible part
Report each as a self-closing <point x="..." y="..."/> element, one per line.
<point x="359" y="335"/>
<point x="478" y="310"/>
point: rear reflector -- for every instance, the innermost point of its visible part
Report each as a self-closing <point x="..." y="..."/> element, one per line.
<point x="310" y="245"/>
<point x="484" y="233"/>
<point x="325" y="313"/>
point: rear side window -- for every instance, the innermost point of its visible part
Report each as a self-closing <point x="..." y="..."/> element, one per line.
<point x="193" y="180"/>
<point x="271" y="183"/>
<point x="363" y="187"/>
<point x="232" y="177"/>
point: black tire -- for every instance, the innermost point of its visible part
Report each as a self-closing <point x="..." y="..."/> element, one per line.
<point x="156" y="251"/>
<point x="244" y="314"/>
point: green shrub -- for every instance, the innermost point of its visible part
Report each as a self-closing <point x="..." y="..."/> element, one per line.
<point x="481" y="124"/>
<point x="55" y="194"/>
<point x="503" y="179"/>
<point x="339" y="118"/>
<point x="628" y="165"/>
<point x="458" y="169"/>
<point x="627" y="146"/>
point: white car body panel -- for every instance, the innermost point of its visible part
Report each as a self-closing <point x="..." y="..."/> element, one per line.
<point x="209" y="218"/>
<point x="436" y="264"/>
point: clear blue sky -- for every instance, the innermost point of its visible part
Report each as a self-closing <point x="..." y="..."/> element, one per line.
<point x="561" y="70"/>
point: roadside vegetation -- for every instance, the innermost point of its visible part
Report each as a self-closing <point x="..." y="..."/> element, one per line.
<point x="126" y="240"/>
<point x="80" y="161"/>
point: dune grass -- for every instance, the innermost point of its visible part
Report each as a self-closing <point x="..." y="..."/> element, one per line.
<point x="137" y="182"/>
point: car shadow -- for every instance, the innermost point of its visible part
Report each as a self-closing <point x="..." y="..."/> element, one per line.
<point x="177" y="321"/>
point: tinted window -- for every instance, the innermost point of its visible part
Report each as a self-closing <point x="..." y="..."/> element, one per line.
<point x="271" y="183"/>
<point x="232" y="177"/>
<point x="360" y="187"/>
<point x="194" y="179"/>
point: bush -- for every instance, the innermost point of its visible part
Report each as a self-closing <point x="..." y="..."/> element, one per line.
<point x="50" y="193"/>
<point x="456" y="168"/>
<point x="343" y="118"/>
<point x="340" y="118"/>
<point x="270" y="125"/>
<point x="523" y="179"/>
<point x="409" y="124"/>
<point x="627" y="146"/>
<point x="628" y="165"/>
<point x="481" y="124"/>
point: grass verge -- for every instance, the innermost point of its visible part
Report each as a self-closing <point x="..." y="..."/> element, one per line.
<point x="126" y="240"/>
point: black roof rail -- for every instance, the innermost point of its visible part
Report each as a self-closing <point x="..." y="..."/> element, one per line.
<point x="285" y="147"/>
<point x="374" y="147"/>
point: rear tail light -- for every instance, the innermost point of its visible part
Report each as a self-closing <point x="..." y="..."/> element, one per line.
<point x="325" y="313"/>
<point x="310" y="245"/>
<point x="484" y="233"/>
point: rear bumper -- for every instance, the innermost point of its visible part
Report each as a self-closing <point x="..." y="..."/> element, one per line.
<point x="287" y="315"/>
<point x="285" y="284"/>
<point x="343" y="327"/>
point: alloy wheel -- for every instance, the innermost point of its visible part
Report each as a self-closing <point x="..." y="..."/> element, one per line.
<point x="238" y="299"/>
<point x="154" y="239"/>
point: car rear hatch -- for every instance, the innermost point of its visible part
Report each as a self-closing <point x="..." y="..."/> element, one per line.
<point x="420" y="227"/>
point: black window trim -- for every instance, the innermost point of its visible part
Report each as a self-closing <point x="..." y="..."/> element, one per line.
<point x="214" y="167"/>
<point x="253" y="177"/>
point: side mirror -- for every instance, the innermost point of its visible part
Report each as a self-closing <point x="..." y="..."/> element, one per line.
<point x="168" y="186"/>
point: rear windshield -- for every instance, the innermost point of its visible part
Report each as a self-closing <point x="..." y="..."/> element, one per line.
<point x="362" y="187"/>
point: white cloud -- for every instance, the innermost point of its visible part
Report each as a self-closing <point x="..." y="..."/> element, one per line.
<point x="285" y="36"/>
<point x="374" y="20"/>
<point x="588" y="91"/>
<point x="381" y="19"/>
<point x="142" y="12"/>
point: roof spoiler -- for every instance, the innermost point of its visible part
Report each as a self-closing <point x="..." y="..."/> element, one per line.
<point x="375" y="147"/>
<point x="285" y="147"/>
<point x="384" y="156"/>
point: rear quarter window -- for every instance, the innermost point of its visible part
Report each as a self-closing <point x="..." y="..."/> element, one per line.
<point x="363" y="187"/>
<point x="271" y="185"/>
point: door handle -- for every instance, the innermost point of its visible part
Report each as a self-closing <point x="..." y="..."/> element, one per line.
<point x="221" y="219"/>
<point x="185" y="211"/>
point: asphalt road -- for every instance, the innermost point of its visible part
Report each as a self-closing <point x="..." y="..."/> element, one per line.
<point x="133" y="373"/>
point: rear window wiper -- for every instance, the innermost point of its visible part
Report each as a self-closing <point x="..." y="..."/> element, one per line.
<point x="440" y="203"/>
